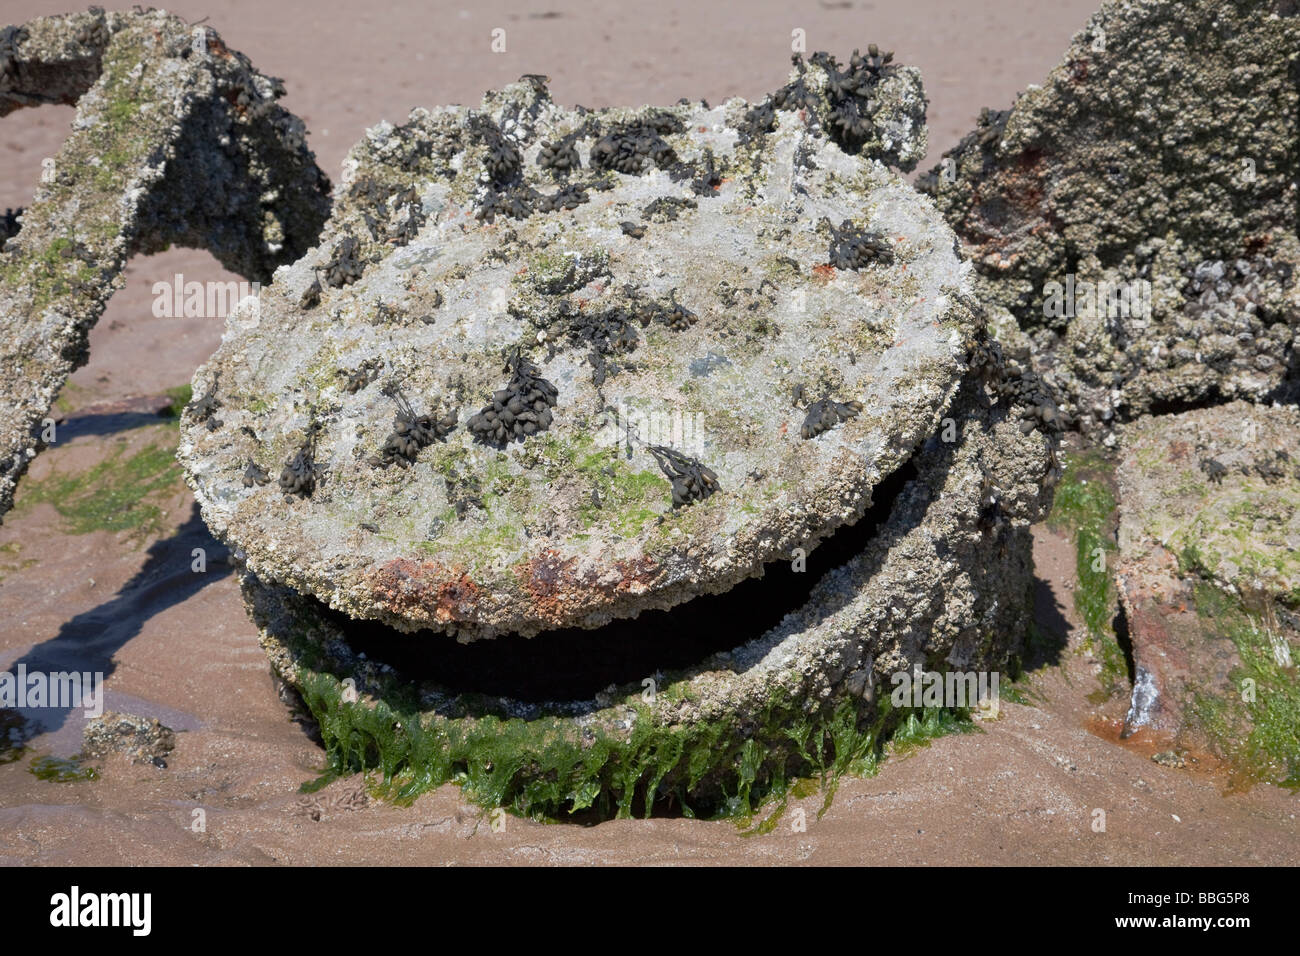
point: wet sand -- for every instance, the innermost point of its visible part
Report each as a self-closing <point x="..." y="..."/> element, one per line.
<point x="177" y="645"/>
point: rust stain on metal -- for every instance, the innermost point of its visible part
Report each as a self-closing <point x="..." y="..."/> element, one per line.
<point x="426" y="589"/>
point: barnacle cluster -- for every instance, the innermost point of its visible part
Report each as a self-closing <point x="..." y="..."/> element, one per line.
<point x="853" y="247"/>
<point x="520" y="409"/>
<point x="691" y="480"/>
<point x="412" y="431"/>
<point x="344" y="267"/>
<point x="1235" y="313"/>
<point x="825" y="414"/>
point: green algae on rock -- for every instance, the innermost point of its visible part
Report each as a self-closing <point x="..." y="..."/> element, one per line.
<point x="790" y="691"/>
<point x="1209" y="580"/>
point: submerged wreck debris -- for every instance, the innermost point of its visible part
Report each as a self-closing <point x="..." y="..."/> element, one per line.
<point x="1140" y="252"/>
<point x="504" y="592"/>
<point x="518" y="411"/>
<point x="169" y="147"/>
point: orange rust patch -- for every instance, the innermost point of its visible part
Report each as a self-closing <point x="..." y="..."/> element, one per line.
<point x="425" y="589"/>
<point x="558" y="589"/>
<point x="824" y="272"/>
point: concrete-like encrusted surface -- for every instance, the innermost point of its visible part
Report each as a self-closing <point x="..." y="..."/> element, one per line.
<point x="943" y="584"/>
<point x="1209" y="578"/>
<point x="549" y="366"/>
<point x="176" y="140"/>
<point x="1164" y="149"/>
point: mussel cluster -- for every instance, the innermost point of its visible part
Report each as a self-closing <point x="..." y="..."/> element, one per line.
<point x="825" y="414"/>
<point x="1018" y="386"/>
<point x="848" y="113"/>
<point x="344" y="267"/>
<point x="853" y="247"/>
<point x="560" y="157"/>
<point x="300" y="473"/>
<point x="691" y="480"/>
<point x="520" y="409"/>
<point x="412" y="431"/>
<point x="633" y="149"/>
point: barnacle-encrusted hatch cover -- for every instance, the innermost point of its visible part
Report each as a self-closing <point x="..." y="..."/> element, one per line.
<point x="494" y="407"/>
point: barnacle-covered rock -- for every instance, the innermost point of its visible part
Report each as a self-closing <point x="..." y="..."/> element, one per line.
<point x="177" y="141"/>
<point x="597" y="330"/>
<point x="636" y="501"/>
<point x="1209" y="583"/>
<point x="1134" y="219"/>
